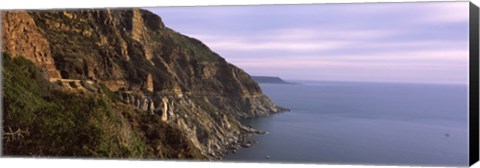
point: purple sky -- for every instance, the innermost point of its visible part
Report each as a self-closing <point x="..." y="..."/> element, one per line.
<point x="382" y="42"/>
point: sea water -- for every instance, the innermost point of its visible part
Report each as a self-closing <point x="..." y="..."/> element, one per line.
<point x="363" y="123"/>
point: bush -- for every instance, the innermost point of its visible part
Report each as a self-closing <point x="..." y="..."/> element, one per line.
<point x="55" y="123"/>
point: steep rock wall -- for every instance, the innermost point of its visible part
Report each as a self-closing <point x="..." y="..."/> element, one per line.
<point x="133" y="51"/>
<point x="21" y="38"/>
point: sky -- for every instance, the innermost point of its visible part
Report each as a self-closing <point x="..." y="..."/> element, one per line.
<point x="375" y="42"/>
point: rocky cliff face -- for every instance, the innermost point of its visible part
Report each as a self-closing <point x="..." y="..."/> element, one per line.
<point x="151" y="67"/>
<point x="21" y="37"/>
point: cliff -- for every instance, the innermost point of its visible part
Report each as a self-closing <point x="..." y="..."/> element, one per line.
<point x="159" y="91"/>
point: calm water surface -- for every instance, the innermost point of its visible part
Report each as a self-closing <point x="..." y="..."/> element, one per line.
<point x="363" y="123"/>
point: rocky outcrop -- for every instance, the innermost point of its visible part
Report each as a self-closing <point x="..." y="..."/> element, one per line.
<point x="21" y="37"/>
<point x="138" y="100"/>
<point x="165" y="109"/>
<point x="149" y="85"/>
<point x="151" y="67"/>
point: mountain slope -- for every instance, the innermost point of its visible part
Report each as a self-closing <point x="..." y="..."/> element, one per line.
<point x="150" y="77"/>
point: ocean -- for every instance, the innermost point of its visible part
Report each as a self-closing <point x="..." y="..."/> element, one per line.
<point x="362" y="123"/>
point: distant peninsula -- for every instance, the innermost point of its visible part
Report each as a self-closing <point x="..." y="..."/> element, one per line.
<point x="269" y="79"/>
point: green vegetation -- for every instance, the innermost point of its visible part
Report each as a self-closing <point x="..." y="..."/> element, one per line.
<point x="111" y="95"/>
<point x="51" y="122"/>
<point x="41" y="120"/>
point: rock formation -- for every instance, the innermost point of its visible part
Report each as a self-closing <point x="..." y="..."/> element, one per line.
<point x="21" y="37"/>
<point x="149" y="84"/>
<point x="149" y="66"/>
<point x="165" y="109"/>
